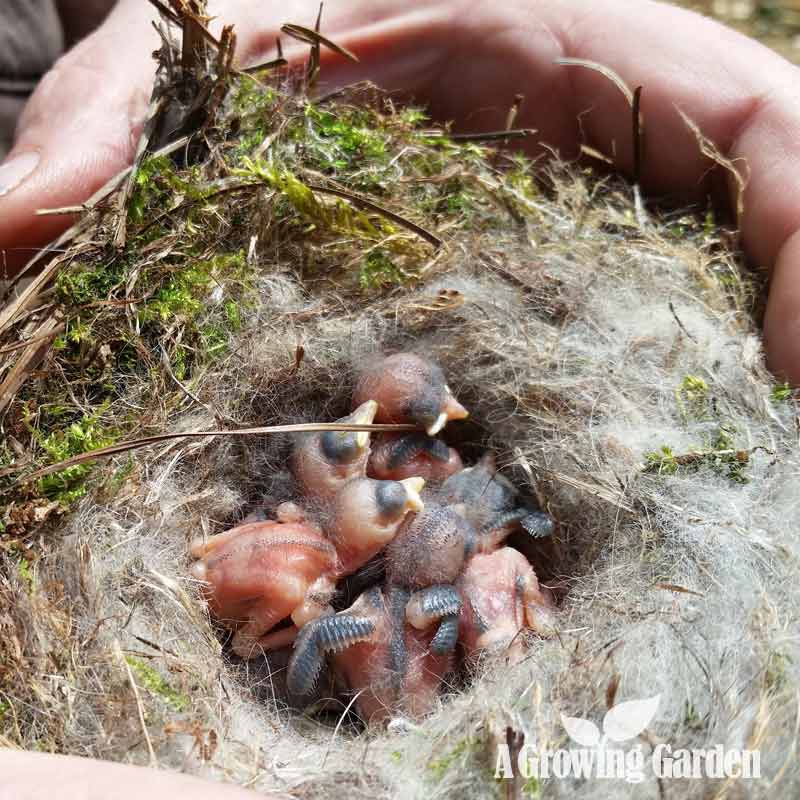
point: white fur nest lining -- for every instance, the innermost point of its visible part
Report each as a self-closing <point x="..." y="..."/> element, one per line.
<point x="570" y="340"/>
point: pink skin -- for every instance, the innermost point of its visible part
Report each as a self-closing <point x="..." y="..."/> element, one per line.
<point x="321" y="475"/>
<point x="401" y="382"/>
<point x="422" y="464"/>
<point x="467" y="60"/>
<point x="364" y="667"/>
<point x="259" y="573"/>
<point x="43" y="776"/>
<point x="502" y="598"/>
<point x="359" y="529"/>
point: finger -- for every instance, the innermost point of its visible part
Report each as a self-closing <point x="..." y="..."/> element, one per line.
<point x="79" y="128"/>
<point x="782" y="320"/>
<point x="40" y="776"/>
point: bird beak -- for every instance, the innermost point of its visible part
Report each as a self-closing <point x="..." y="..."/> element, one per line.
<point x="413" y="487"/>
<point x="440" y="422"/>
<point x="451" y="409"/>
<point x="364" y="415"/>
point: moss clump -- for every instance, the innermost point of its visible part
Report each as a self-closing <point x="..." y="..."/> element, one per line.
<point x="336" y="142"/>
<point x="692" y="398"/>
<point x="81" y="284"/>
<point x="720" y="454"/>
<point x="379" y="271"/>
<point x="463" y="749"/>
<point x="81" y="436"/>
<point x="780" y="393"/>
<point x="151" y="680"/>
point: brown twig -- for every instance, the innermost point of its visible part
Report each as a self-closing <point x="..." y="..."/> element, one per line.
<point x="637" y="134"/>
<point x="603" y="70"/>
<point x="133" y="444"/>
<point x="315" y="38"/>
<point x="487" y="136"/>
<point x="37" y="338"/>
<point x="370" y="205"/>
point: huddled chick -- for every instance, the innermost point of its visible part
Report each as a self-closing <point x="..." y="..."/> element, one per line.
<point x="449" y="578"/>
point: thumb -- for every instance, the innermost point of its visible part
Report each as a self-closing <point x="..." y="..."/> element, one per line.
<point x="79" y="128"/>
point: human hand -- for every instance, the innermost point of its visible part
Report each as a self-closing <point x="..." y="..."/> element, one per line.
<point x="466" y="60"/>
<point x="41" y="776"/>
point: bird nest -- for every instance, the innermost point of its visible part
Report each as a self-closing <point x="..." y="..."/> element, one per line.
<point x="234" y="281"/>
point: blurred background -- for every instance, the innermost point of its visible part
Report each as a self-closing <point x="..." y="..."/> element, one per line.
<point x="776" y="24"/>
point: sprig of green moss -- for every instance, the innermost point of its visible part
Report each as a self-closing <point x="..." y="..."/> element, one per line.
<point x="151" y="680"/>
<point x="721" y="455"/>
<point x="81" y="436"/>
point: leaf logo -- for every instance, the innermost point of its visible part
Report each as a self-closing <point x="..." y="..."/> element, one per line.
<point x="622" y="722"/>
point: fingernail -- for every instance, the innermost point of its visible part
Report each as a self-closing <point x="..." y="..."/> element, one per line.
<point x="13" y="172"/>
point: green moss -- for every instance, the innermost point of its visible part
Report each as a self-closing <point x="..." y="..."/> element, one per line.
<point x="80" y="284"/>
<point x="412" y="116"/>
<point x="24" y="570"/>
<point x="532" y="788"/>
<point x="151" y="680"/>
<point x="341" y="140"/>
<point x="780" y="393"/>
<point x="252" y="99"/>
<point x="691" y="718"/>
<point x="661" y="461"/>
<point x="775" y="673"/>
<point x="439" y="767"/>
<point x="81" y="436"/>
<point x="215" y="339"/>
<point x="692" y="398"/>
<point x="233" y="315"/>
<point x="719" y="453"/>
<point x="378" y="270"/>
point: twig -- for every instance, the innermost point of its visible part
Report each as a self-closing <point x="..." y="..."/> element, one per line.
<point x="710" y="151"/>
<point x="276" y="62"/>
<point x="153" y="116"/>
<point x="33" y="339"/>
<point x="28" y="361"/>
<point x="637" y="134"/>
<point x="603" y="70"/>
<point x="511" y="117"/>
<point x="678" y="320"/>
<point x="133" y="444"/>
<point x="370" y="205"/>
<point x="153" y="759"/>
<point x="314" y="37"/>
<point x="488" y="136"/>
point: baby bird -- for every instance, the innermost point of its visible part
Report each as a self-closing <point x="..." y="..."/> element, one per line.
<point x="324" y="461"/>
<point x="384" y="661"/>
<point x="394" y="456"/>
<point x="409" y="388"/>
<point x="501" y="597"/>
<point x="366" y="516"/>
<point x="493" y="505"/>
<point x="258" y="574"/>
